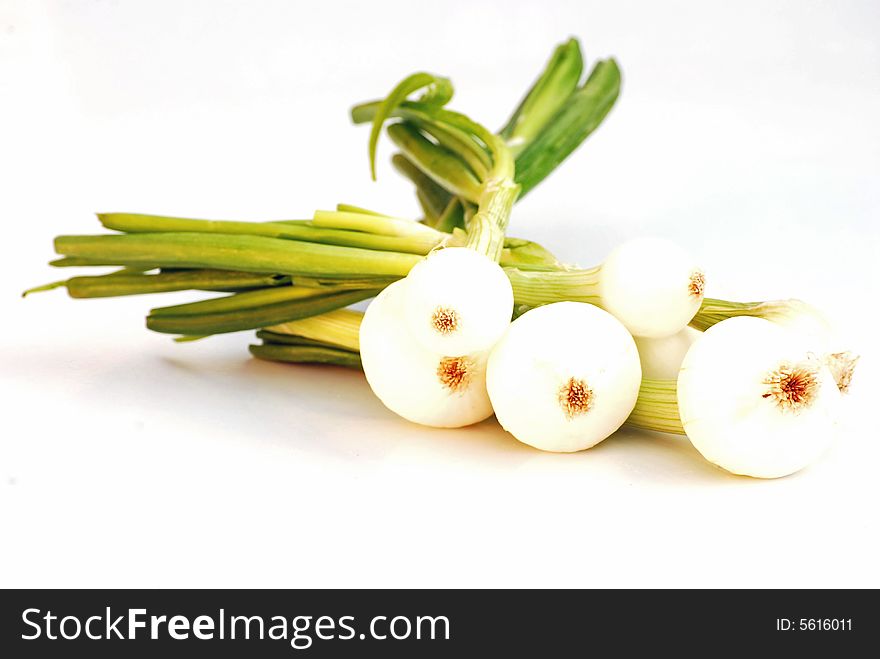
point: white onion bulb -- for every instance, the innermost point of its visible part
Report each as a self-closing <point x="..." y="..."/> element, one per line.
<point x="755" y="400"/>
<point x="817" y="330"/>
<point x="422" y="386"/>
<point x="457" y="301"/>
<point x="564" y="376"/>
<point x="652" y="286"/>
<point x="661" y="357"/>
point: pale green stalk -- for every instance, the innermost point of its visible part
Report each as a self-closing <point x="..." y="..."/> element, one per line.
<point x="241" y="301"/>
<point x="350" y="208"/>
<point x="78" y="262"/>
<point x="453" y="216"/>
<point x="243" y="312"/>
<point x="290" y="340"/>
<point x="299" y="354"/>
<point x="657" y="407"/>
<point x="237" y="252"/>
<point x="340" y="328"/>
<point x="437" y="162"/>
<point x="461" y="144"/>
<point x="374" y="224"/>
<point x="346" y="229"/>
<point x="713" y="311"/>
<point x="533" y="289"/>
<point x="126" y="283"/>
<point x="433" y="199"/>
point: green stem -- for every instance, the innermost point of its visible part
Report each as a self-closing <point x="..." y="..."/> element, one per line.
<point x="45" y="287"/>
<point x="341" y="328"/>
<point x="436" y="92"/>
<point x="238" y="319"/>
<point x="546" y="96"/>
<point x="241" y="301"/>
<point x="474" y="155"/>
<point x="452" y="217"/>
<point x="657" y="407"/>
<point x="533" y="289"/>
<point x="526" y="255"/>
<point x="344" y="284"/>
<point x="432" y="197"/>
<point x="713" y="311"/>
<point x="437" y="162"/>
<point x="457" y="158"/>
<point x="289" y="340"/>
<point x="349" y="208"/>
<point x="503" y="163"/>
<point x="77" y="262"/>
<point x="346" y="229"/>
<point x="306" y="355"/>
<point x="239" y="252"/>
<point x="123" y="283"/>
<point x="555" y="129"/>
<point x="487" y="227"/>
<point x="578" y="117"/>
<point x="374" y="224"/>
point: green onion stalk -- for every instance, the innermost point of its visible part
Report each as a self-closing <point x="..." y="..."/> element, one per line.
<point x="713" y="311"/>
<point x="657" y="407"/>
<point x="292" y="269"/>
<point x="482" y="153"/>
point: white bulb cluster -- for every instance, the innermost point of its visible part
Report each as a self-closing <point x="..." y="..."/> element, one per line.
<point x="425" y="339"/>
<point x="563" y="377"/>
<point x="422" y="386"/>
<point x="439" y="348"/>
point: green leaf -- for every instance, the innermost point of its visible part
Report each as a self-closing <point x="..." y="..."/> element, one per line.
<point x="432" y="197"/>
<point x="237" y="252"/>
<point x="246" y="318"/>
<point x="573" y="123"/>
<point x="549" y="92"/>
<point x="306" y="355"/>
<point x="452" y="217"/>
<point x="438" y="92"/>
<point x="437" y="162"/>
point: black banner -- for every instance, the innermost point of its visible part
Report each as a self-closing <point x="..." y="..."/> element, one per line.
<point x="318" y="623"/>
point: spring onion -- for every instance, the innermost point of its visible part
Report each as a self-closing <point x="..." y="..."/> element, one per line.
<point x="452" y="307"/>
<point x="652" y="286"/>
<point x="424" y="387"/>
<point x="798" y="317"/>
<point x="564" y="377"/>
<point x="755" y="400"/>
<point x="755" y="386"/>
<point x="457" y="301"/>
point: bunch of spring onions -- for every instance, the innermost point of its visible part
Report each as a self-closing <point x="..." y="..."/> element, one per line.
<point x="467" y="322"/>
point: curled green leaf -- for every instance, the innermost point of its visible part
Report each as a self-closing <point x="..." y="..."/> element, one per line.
<point x="438" y="92"/>
<point x="547" y="95"/>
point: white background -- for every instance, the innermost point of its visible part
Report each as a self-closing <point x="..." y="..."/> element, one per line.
<point x="747" y="131"/>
